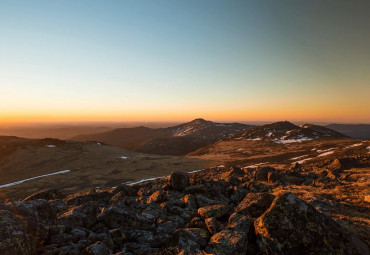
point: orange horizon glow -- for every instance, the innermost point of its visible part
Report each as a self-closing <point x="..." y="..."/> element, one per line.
<point x="90" y="61"/>
<point x="254" y="115"/>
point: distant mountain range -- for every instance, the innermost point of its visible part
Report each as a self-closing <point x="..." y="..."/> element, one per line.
<point x="176" y="140"/>
<point x="287" y="132"/>
<point x="188" y="137"/>
<point x="361" y="131"/>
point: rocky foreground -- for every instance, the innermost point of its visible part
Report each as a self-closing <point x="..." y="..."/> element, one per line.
<point x="315" y="209"/>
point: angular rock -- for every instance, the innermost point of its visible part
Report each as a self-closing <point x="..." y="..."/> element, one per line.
<point x="241" y="223"/>
<point x="49" y="194"/>
<point x="216" y="211"/>
<point x="115" y="217"/>
<point x="80" y="199"/>
<point x="98" y="249"/>
<point x="190" y="202"/>
<point x="291" y="226"/>
<point x="273" y="177"/>
<point x="198" y="235"/>
<point x="204" y="201"/>
<point x="234" y="175"/>
<point x="80" y="216"/>
<point x="127" y="190"/>
<point x="157" y="196"/>
<point x="255" y="204"/>
<point x="195" y="189"/>
<point x="15" y="239"/>
<point x="238" y="193"/>
<point x="261" y="173"/>
<point x="179" y="180"/>
<point x="227" y="242"/>
<point x="213" y="225"/>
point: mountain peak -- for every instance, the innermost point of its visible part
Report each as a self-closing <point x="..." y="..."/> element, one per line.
<point x="199" y="121"/>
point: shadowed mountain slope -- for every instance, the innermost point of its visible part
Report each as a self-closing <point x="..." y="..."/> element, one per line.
<point x="176" y="140"/>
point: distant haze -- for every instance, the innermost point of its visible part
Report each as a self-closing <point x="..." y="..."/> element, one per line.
<point x="173" y="61"/>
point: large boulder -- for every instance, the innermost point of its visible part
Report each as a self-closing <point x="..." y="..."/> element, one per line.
<point x="255" y="204"/>
<point x="292" y="226"/>
<point x="179" y="180"/>
<point x="24" y="226"/>
<point x="14" y="236"/>
<point x="213" y="211"/>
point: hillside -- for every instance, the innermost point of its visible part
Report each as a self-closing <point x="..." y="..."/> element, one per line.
<point x="176" y="140"/>
<point x="76" y="166"/>
<point x="321" y="208"/>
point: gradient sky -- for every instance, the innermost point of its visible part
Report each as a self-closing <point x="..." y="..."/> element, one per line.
<point x="178" y="60"/>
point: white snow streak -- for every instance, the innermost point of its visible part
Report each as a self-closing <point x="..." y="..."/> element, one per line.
<point x="32" y="178"/>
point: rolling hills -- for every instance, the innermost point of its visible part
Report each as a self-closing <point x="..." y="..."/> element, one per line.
<point x="176" y="140"/>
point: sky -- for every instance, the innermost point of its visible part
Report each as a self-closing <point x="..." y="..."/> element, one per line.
<point x="168" y="60"/>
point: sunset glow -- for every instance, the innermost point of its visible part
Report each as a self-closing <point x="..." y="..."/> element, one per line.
<point x="176" y="61"/>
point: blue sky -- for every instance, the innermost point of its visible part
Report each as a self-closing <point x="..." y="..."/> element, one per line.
<point x="177" y="60"/>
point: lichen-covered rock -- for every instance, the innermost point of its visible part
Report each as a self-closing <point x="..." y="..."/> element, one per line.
<point x="241" y="223"/>
<point x="98" y="249"/>
<point x="14" y="238"/>
<point x="195" y="189"/>
<point x="84" y="198"/>
<point x="238" y="193"/>
<point x="213" y="225"/>
<point x="204" y="201"/>
<point x="190" y="202"/>
<point x="255" y="204"/>
<point x="58" y="205"/>
<point x="198" y="235"/>
<point x="157" y="196"/>
<point x="80" y="216"/>
<point x="234" y="175"/>
<point x="261" y="173"/>
<point x="227" y="242"/>
<point x="144" y="237"/>
<point x="292" y="226"/>
<point x="179" y="180"/>
<point x="115" y="217"/>
<point x="127" y="190"/>
<point x="213" y="211"/>
<point x="48" y="194"/>
<point x="273" y="177"/>
<point x="291" y="180"/>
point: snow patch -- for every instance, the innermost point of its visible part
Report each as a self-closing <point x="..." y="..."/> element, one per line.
<point x="299" y="157"/>
<point x="254" y="139"/>
<point x="299" y="140"/>
<point x="256" y="165"/>
<point x="326" y="153"/>
<point x="301" y="161"/>
<point x="32" y="178"/>
<point x="123" y="157"/>
<point x="353" y="145"/>
<point x="50" y="146"/>
<point x="196" y="171"/>
<point x="319" y="151"/>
